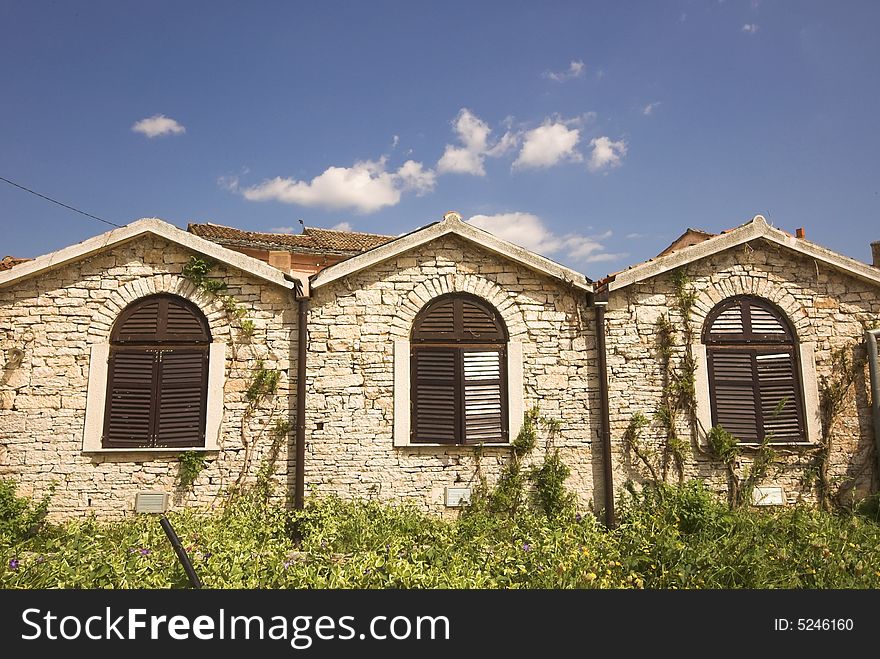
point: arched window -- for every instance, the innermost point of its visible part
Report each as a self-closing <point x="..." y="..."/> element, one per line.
<point x="459" y="383"/>
<point x="754" y="374"/>
<point x="157" y="376"/>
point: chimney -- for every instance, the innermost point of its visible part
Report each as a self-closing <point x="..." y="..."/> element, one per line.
<point x="875" y="253"/>
<point x="800" y="233"/>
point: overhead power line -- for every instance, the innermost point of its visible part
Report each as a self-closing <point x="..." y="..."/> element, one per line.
<point x="55" y="201"/>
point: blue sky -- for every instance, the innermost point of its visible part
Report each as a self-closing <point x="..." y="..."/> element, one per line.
<point x="593" y="132"/>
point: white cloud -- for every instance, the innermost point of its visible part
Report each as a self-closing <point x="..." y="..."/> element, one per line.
<point x="649" y="108"/>
<point x="575" y="70"/>
<point x="341" y="226"/>
<point x="158" y="125"/>
<point x="395" y="140"/>
<point x="458" y="160"/>
<point x="283" y="230"/>
<point x="412" y="175"/>
<point x="636" y="236"/>
<point x="365" y="187"/>
<point x="750" y="28"/>
<point x="606" y="154"/>
<point x="529" y="231"/>
<point x="548" y="145"/>
<point x="473" y="134"/>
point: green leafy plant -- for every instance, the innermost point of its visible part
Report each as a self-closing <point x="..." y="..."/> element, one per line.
<point x="671" y="536"/>
<point x="20" y="517"/>
<point x="190" y="465"/>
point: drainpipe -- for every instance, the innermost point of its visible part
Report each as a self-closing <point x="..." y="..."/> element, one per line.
<point x="871" y="337"/>
<point x="301" y="347"/>
<point x="605" y="415"/>
<point x="302" y="305"/>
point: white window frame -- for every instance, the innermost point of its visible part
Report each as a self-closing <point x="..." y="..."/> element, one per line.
<point x="402" y="391"/>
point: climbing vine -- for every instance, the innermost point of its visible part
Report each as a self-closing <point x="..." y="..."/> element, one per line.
<point x="678" y="396"/>
<point x="847" y="364"/>
<point x="260" y="389"/>
<point x="191" y="464"/>
<point x="548" y="492"/>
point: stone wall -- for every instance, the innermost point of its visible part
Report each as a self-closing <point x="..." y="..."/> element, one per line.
<point x="353" y="324"/>
<point x="826" y="308"/>
<point x="55" y="317"/>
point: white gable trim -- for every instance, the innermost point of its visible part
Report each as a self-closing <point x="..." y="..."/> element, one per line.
<point x="135" y="229"/>
<point x="757" y="228"/>
<point x="451" y="224"/>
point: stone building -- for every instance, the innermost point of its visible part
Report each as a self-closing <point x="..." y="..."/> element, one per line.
<point x="399" y="368"/>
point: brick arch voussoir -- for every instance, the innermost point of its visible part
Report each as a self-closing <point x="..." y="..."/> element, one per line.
<point x="477" y="286"/>
<point x="105" y="316"/>
<point x="708" y="298"/>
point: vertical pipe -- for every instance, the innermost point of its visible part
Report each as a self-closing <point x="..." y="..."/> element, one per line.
<point x="180" y="551"/>
<point x="605" y="420"/>
<point x="302" y="341"/>
<point x="871" y="340"/>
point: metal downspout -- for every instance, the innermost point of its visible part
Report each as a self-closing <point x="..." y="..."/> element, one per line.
<point x="605" y="416"/>
<point x="302" y="351"/>
<point x="871" y="338"/>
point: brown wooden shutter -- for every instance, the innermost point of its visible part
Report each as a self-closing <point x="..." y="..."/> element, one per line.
<point x="157" y="375"/>
<point x="128" y="416"/>
<point x="182" y="398"/>
<point x="458" y="380"/>
<point x="435" y="405"/>
<point x="753" y="372"/>
<point x="733" y="394"/>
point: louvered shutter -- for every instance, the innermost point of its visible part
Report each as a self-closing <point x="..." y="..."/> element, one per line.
<point x="753" y="372"/>
<point x="182" y="395"/>
<point x="483" y="396"/>
<point x="458" y="385"/>
<point x="157" y="376"/>
<point x="779" y="393"/>
<point x="434" y="386"/>
<point x="733" y="394"/>
<point x="128" y="417"/>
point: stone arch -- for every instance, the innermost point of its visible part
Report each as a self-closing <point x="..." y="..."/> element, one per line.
<point x="105" y="316"/>
<point x="478" y="286"/>
<point x="759" y="287"/>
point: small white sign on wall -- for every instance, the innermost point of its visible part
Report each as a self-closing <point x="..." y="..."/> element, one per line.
<point x="456" y="497"/>
<point x="768" y="496"/>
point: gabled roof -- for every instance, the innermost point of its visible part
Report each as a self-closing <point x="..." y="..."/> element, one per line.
<point x="8" y="262"/>
<point x="688" y="238"/>
<point x="450" y="225"/>
<point x="752" y="230"/>
<point x="311" y="240"/>
<point x="131" y="231"/>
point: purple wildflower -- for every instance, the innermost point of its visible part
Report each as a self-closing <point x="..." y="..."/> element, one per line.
<point x="13" y="564"/>
<point x="578" y="517"/>
<point x="287" y="564"/>
<point x="367" y="571"/>
<point x="526" y="546"/>
<point x="145" y="552"/>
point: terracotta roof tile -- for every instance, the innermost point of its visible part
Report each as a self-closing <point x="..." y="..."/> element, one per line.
<point x="310" y="240"/>
<point x="8" y="262"/>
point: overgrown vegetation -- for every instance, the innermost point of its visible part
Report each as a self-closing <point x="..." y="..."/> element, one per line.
<point x="547" y="493"/>
<point x="191" y="464"/>
<point x="20" y="517"/>
<point x="672" y="536"/>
